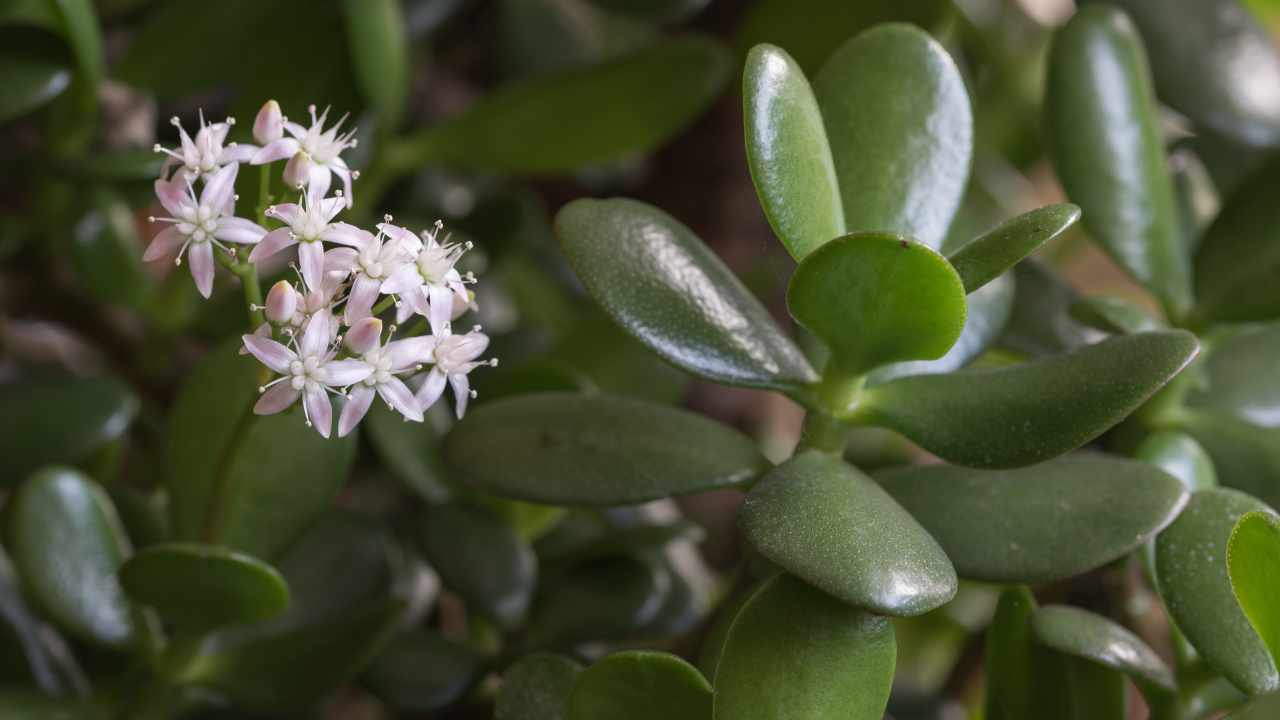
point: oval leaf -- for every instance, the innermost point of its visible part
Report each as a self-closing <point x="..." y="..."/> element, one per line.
<point x="200" y="587"/>
<point x="605" y="600"/>
<point x="1039" y="324"/>
<point x="987" y="256"/>
<point x="59" y="421"/>
<point x="794" y="651"/>
<point x="901" y="131"/>
<point x="537" y="688"/>
<point x="582" y="450"/>
<point x="1113" y="315"/>
<point x="1109" y="153"/>
<point x="667" y="289"/>
<point x="1191" y="561"/>
<point x="875" y="298"/>
<point x="421" y="671"/>
<point x="827" y="523"/>
<point x="788" y="153"/>
<point x="34" y="69"/>
<point x="1180" y="456"/>
<point x="1077" y="632"/>
<point x="1041" y="523"/>
<point x="1024" y="414"/>
<point x="1253" y="563"/>
<point x="640" y="685"/>
<point x="1239" y="256"/>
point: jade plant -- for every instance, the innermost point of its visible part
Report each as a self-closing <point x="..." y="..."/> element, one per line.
<point x="1001" y="497"/>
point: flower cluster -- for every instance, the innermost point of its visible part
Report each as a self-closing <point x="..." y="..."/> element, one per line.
<point x="322" y="336"/>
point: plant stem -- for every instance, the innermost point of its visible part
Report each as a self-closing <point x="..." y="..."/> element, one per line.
<point x="823" y="433"/>
<point x="385" y="303"/>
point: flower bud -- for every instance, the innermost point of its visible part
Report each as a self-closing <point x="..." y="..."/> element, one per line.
<point x="298" y="170"/>
<point x="282" y="302"/>
<point x="269" y="125"/>
<point x="364" y="335"/>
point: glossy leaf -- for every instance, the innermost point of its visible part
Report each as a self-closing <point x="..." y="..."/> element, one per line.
<point x="1109" y="153"/>
<point x="34" y="69"/>
<point x="1180" y="456"/>
<point x="875" y="299"/>
<point x="1040" y="523"/>
<point x="605" y="600"/>
<point x="1253" y="564"/>
<point x="582" y="450"/>
<point x="1113" y="315"/>
<point x="537" y="687"/>
<point x="582" y="116"/>
<point x="67" y="544"/>
<point x="1032" y="412"/>
<point x="200" y="587"/>
<point x="27" y="656"/>
<point x="1238" y="260"/>
<point x="794" y="651"/>
<point x="639" y="685"/>
<point x="984" y="258"/>
<point x="104" y="252"/>
<point x="1191" y="561"/>
<point x="1078" y="632"/>
<point x="668" y="290"/>
<point x="788" y="152"/>
<point x="379" y="44"/>
<point x="409" y="450"/>
<point x="901" y="130"/>
<point x="421" y="671"/>
<point x="60" y="420"/>
<point x="480" y="558"/>
<point x="828" y="524"/>
<point x="1039" y="324"/>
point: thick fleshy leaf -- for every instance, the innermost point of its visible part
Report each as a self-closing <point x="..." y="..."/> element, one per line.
<point x="409" y="450"/>
<point x="1086" y="635"/>
<point x="1114" y="315"/>
<point x="1253" y="563"/>
<point x="1263" y="708"/>
<point x="1238" y="260"/>
<point x="668" y="290"/>
<point x="828" y="524"/>
<point x="59" y="421"/>
<point x="1040" y="523"/>
<point x="987" y="256"/>
<point x="34" y="69"/>
<point x="605" y="600"/>
<point x="1039" y="324"/>
<point x="640" y="685"/>
<point x="379" y="44"/>
<point x="537" y="688"/>
<point x="481" y="559"/>
<point x="875" y="298"/>
<point x="581" y="116"/>
<point x="104" y="252"/>
<point x="1024" y="414"/>
<point x="1214" y="63"/>
<point x="583" y="450"/>
<point x="1191" y="561"/>
<point x="421" y="671"/>
<point x="901" y="130"/>
<point x="31" y="654"/>
<point x="201" y="587"/>
<point x="247" y="482"/>
<point x="794" y="651"/>
<point x="67" y="544"/>
<point x="1180" y="456"/>
<point x="1109" y="152"/>
<point x="788" y="152"/>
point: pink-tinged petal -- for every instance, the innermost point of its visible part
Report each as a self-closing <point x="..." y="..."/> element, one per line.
<point x="358" y="402"/>
<point x="347" y="234"/>
<point x="268" y="124"/>
<point x="269" y="352"/>
<point x="189" y="149"/>
<point x="340" y="169"/>
<point x="431" y="390"/>
<point x="273" y="151"/>
<point x="295" y="129"/>
<point x="316" y="335"/>
<point x="340" y="260"/>
<point x="398" y="396"/>
<point x="277" y="397"/>
<point x="404" y="310"/>
<point x="341" y="373"/>
<point x="200" y="258"/>
<point x="219" y="192"/>
<point x="461" y="393"/>
<point x="272" y="243"/>
<point x="282" y="302"/>
<point x="364" y="291"/>
<point x="287" y="213"/>
<point x="440" y="312"/>
<point x="239" y="230"/>
<point x="238" y="153"/>
<point x="410" y="351"/>
<point x="319" y="410"/>
<point x="462" y="303"/>
<point x="214" y="135"/>
<point x="311" y="261"/>
<point x="364" y="335"/>
<point x="263" y="330"/>
<point x="173" y="196"/>
<point x="405" y="238"/>
<point x="404" y="279"/>
<point x="470" y="347"/>
<point x="164" y="245"/>
<point x="330" y="207"/>
<point x="318" y="179"/>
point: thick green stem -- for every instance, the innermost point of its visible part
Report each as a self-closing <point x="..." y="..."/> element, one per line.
<point x="382" y="306"/>
<point x="823" y="433"/>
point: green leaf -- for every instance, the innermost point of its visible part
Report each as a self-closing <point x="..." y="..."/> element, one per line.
<point x="24" y="704"/>
<point x="1191" y="561"/>
<point x="1109" y="153"/>
<point x="198" y="587"/>
<point x="796" y="652"/>
<point x="1263" y="708"/>
<point x="1114" y="315"/>
<point x="833" y="527"/>
<point x="1039" y="324"/>
<point x="1032" y="412"/>
<point x="788" y="152"/>
<point x="409" y="450"/>
<point x="1086" y="635"/>
<point x="421" y="671"/>
<point x="984" y="258"/>
<point x="245" y="481"/>
<point x="668" y="290"/>
<point x="1253" y="564"/>
<point x="640" y="685"/>
<point x="1210" y="59"/>
<point x="875" y="299"/>
<point x="59" y="421"/>
<point x="27" y="656"/>
<point x="537" y="688"/>
<point x="67" y="544"/>
<point x="901" y="130"/>
<point x="1040" y="523"/>
<point x="480" y="558"/>
<point x="604" y="600"/>
<point x="78" y="22"/>
<point x="380" y="52"/>
<point x="1238" y="261"/>
<point x="104" y="252"/>
<point x="34" y="69"/>
<point x="582" y="116"/>
<point x="1180" y="456"/>
<point x="584" y="450"/>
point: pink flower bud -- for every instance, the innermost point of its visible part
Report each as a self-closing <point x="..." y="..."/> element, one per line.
<point x="298" y="170"/>
<point x="282" y="302"/>
<point x="364" y="335"/>
<point x="269" y="125"/>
